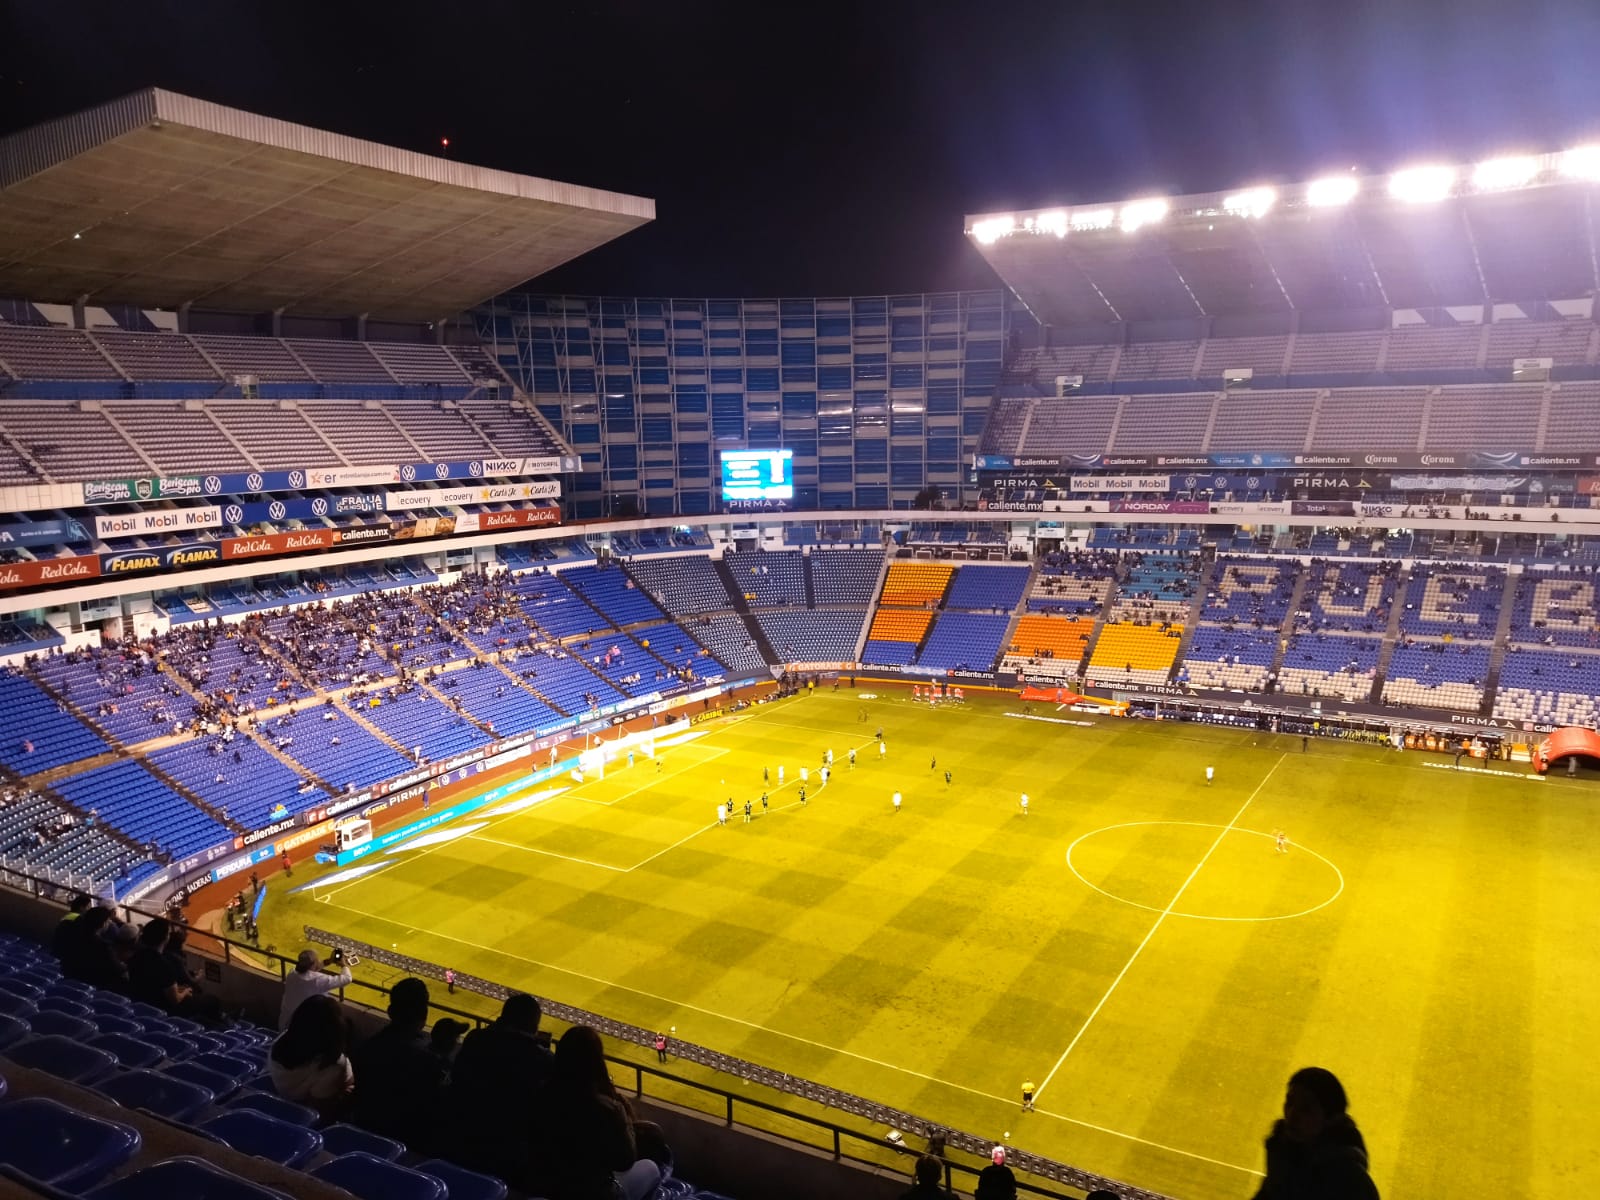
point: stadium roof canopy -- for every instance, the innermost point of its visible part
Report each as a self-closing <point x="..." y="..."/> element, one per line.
<point x="160" y="200"/>
<point x="1509" y="230"/>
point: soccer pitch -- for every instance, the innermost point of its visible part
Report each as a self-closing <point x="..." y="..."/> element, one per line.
<point x="1136" y="944"/>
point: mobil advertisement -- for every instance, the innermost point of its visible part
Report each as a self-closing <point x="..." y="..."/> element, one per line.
<point x="1121" y="483"/>
<point x="157" y="522"/>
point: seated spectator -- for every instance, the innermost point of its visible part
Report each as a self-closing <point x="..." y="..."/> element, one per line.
<point x="311" y="977"/>
<point x="584" y="1143"/>
<point x="1316" y="1152"/>
<point x="68" y="924"/>
<point x="996" y="1182"/>
<point x="150" y="975"/>
<point x="89" y="955"/>
<point x="308" y="1063"/>
<point x="445" y="1042"/>
<point x="399" y="1080"/>
<point x="929" y="1183"/>
<point x="494" y="1085"/>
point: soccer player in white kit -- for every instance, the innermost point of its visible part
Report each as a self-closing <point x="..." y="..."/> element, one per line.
<point x="883" y="748"/>
<point x="1210" y="774"/>
<point x="897" y="802"/>
<point x="780" y="774"/>
<point x="722" y="814"/>
<point x="1024" y="803"/>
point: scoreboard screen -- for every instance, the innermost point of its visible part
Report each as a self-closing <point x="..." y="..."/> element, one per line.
<point x="757" y="478"/>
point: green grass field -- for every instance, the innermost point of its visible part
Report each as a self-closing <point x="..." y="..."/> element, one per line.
<point x="1136" y="944"/>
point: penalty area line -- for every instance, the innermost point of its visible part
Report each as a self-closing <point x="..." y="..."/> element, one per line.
<point x="1160" y="920"/>
<point x="805" y="1041"/>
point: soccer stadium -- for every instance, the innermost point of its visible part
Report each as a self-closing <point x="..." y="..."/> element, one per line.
<point x="1009" y="730"/>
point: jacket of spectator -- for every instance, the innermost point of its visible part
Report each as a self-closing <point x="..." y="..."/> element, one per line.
<point x="493" y="1089"/>
<point x="1316" y="1152"/>
<point x="308" y="1063"/>
<point x="89" y="957"/>
<point x="583" y="1134"/>
<point x="68" y="925"/>
<point x="399" y="1080"/>
<point x="309" y="978"/>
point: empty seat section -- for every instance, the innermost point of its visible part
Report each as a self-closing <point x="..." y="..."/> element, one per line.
<point x="276" y="436"/>
<point x="38" y="735"/>
<point x="612" y="591"/>
<point x="821" y="635"/>
<point x="178" y="439"/>
<point x="131" y="799"/>
<point x="845" y="577"/>
<point x="70" y="443"/>
<point x="982" y="587"/>
<point x="684" y="584"/>
<point x="156" y="355"/>
<point x="964" y="641"/>
<point x="1370" y="418"/>
<point x="419" y="363"/>
<point x="1250" y="420"/>
<point x="769" y="578"/>
<point x="35" y="353"/>
<point x="1153" y="423"/>
<point x="1071" y="425"/>
<point x="1485" y="418"/>
<point x="1140" y="653"/>
<point x="729" y="639"/>
<point x="916" y="583"/>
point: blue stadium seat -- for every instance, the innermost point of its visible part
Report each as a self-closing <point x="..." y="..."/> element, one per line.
<point x="10" y="985"/>
<point x="190" y="1178"/>
<point x="129" y="1051"/>
<point x="374" y="1179"/>
<point x="462" y="1183"/>
<point x="162" y="1094"/>
<point x="174" y="1047"/>
<point x="111" y="1024"/>
<point x="62" y="1025"/>
<point x="17" y="1006"/>
<point x="274" y="1106"/>
<point x="266" y="1137"/>
<point x="60" y="1004"/>
<point x="222" y="1086"/>
<point x="64" y="1058"/>
<point x="12" y="1029"/>
<point x="70" y="1150"/>
<point x="348" y="1139"/>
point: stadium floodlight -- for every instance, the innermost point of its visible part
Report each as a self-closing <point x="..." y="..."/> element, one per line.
<point x="1252" y="202"/>
<point x="1581" y="162"/>
<point x="1422" y="185"/>
<point x="1136" y="214"/>
<point x="1495" y="174"/>
<point x="1332" y="191"/>
<point x="1054" y="222"/>
<point x="1093" y="218"/>
<point x="991" y="229"/>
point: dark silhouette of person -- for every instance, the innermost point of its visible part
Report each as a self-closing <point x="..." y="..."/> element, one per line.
<point x="1316" y="1152"/>
<point x="494" y="1087"/>
<point x="929" y="1183"/>
<point x="399" y="1080"/>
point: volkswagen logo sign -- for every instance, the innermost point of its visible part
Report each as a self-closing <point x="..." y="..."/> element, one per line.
<point x="474" y="467"/>
<point x="233" y="515"/>
<point x="297" y="479"/>
<point x="408" y="472"/>
<point x="212" y="484"/>
<point x="441" y="470"/>
<point x="1253" y="482"/>
<point x="253" y="482"/>
<point x="319" y="507"/>
<point x="276" y="510"/>
<point x="1190" y="481"/>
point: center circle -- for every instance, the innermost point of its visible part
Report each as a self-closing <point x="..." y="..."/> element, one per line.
<point x="1295" y="896"/>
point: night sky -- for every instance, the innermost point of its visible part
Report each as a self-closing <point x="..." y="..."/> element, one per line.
<point x="831" y="149"/>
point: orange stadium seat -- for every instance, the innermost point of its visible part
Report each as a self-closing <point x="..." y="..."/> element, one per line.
<point x="900" y="625"/>
<point x="1063" y="637"/>
<point x="916" y="583"/>
<point x="1142" y="647"/>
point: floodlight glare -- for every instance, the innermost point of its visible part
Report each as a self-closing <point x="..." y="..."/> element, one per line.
<point x="1332" y="191"/>
<point x="1495" y="173"/>
<point x="1581" y="162"/>
<point x="992" y="229"/>
<point x="1052" y="222"/>
<point x="1252" y="202"/>
<point x="1093" y="218"/>
<point x="1138" y="213"/>
<point x="1422" y="185"/>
